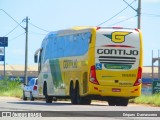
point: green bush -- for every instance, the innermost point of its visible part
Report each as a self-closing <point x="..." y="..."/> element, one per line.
<point x="10" y="88"/>
<point x="147" y="99"/>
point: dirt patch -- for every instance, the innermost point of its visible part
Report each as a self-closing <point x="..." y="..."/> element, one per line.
<point x="9" y="98"/>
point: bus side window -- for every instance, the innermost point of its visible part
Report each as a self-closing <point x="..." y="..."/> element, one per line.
<point x="68" y="43"/>
<point x="61" y="42"/>
<point x="80" y="44"/>
<point x="54" y="48"/>
<point x="86" y="40"/>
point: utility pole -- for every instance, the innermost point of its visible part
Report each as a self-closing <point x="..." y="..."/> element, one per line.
<point x="138" y="11"/>
<point x="139" y="14"/>
<point x="26" y="53"/>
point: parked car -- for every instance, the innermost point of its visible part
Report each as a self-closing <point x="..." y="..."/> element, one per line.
<point x="30" y="91"/>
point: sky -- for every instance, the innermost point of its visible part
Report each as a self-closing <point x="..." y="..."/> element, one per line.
<point x="53" y="15"/>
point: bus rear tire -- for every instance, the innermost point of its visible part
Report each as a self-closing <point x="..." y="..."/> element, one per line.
<point x="81" y="100"/>
<point x="72" y="93"/>
<point x="77" y="95"/>
<point x="49" y="99"/>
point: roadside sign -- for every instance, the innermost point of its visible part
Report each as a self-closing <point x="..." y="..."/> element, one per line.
<point x="156" y="87"/>
<point x="1" y="50"/>
<point x="3" y="41"/>
<point x="1" y="57"/>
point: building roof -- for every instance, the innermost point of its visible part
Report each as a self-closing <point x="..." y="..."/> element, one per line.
<point x="19" y="68"/>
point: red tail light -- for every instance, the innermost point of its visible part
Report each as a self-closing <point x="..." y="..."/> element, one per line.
<point x="139" y="77"/>
<point x="35" y="88"/>
<point x="93" y="78"/>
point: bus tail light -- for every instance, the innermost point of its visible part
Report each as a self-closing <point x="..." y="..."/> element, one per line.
<point x="93" y="77"/>
<point x="35" y="88"/>
<point x="139" y="77"/>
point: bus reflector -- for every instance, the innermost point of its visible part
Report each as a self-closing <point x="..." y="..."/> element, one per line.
<point x="93" y="78"/>
<point x="139" y="77"/>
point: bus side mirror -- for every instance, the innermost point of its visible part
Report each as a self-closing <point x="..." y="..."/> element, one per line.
<point x="35" y="58"/>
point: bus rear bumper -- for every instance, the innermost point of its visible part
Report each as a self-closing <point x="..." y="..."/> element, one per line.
<point x="108" y="91"/>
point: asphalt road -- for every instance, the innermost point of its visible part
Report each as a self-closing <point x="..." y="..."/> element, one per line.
<point x="64" y="110"/>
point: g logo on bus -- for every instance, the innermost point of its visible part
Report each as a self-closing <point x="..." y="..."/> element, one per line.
<point x="118" y="36"/>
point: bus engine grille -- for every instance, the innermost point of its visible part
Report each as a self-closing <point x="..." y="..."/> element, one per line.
<point x="117" y="60"/>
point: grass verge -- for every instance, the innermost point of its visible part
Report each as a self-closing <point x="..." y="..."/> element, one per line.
<point x="10" y="88"/>
<point x="147" y="99"/>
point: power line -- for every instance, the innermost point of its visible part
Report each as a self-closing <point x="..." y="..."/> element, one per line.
<point x="123" y="20"/>
<point x="17" y="36"/>
<point x="152" y="15"/>
<point x="12" y="30"/>
<point x="39" y="27"/>
<point x="11" y="17"/>
<point x="116" y="14"/>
